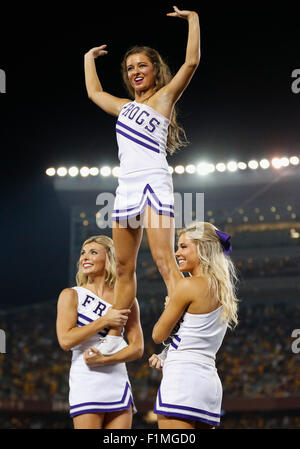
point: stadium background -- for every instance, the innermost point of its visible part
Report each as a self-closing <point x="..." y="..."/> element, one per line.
<point x="239" y="107"/>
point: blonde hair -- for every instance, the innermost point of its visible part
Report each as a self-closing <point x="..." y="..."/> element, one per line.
<point x="110" y="262"/>
<point x="176" y="136"/>
<point x="216" y="267"/>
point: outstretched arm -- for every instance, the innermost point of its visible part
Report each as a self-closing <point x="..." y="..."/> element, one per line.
<point x="170" y="93"/>
<point x="107" y="102"/>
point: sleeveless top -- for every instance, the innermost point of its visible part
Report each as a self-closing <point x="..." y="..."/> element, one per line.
<point x="142" y="136"/>
<point x="200" y="335"/>
<point x="90" y="307"/>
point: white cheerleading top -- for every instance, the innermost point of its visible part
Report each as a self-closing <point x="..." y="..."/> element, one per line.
<point x="96" y="388"/>
<point x="142" y="134"/>
<point x="90" y="307"/>
<point x="199" y="335"/>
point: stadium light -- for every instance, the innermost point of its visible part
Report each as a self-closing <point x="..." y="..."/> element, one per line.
<point x="50" y="171"/>
<point x="190" y="169"/>
<point x="276" y="162"/>
<point x="232" y="166"/>
<point x="253" y="164"/>
<point x="284" y="162"/>
<point x="73" y="171"/>
<point x="62" y="171"/>
<point x="94" y="171"/>
<point x="242" y="165"/>
<point x="105" y="171"/>
<point x="204" y="168"/>
<point x="116" y="172"/>
<point x="179" y="169"/>
<point x="221" y="167"/>
<point x="264" y="163"/>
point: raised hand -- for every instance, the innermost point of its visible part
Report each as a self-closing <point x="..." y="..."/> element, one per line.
<point x="98" y="51"/>
<point x="184" y="14"/>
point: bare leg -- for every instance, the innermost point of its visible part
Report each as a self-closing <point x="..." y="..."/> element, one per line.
<point x="167" y="422"/>
<point x="118" y="420"/>
<point x="88" y="421"/>
<point x="161" y="238"/>
<point x="127" y="242"/>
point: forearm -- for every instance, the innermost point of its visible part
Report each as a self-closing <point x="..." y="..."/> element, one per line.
<point x="193" y="43"/>
<point x="132" y="352"/>
<point x="160" y="334"/>
<point x="92" y="81"/>
<point x="78" y="335"/>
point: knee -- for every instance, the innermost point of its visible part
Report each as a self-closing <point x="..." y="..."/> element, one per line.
<point x="125" y="268"/>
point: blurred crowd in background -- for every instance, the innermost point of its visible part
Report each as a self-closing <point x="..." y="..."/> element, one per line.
<point x="255" y="361"/>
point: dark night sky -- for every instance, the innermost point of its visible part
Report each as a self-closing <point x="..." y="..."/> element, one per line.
<point x="238" y="105"/>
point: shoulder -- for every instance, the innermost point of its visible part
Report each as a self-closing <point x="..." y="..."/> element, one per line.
<point x="191" y="286"/>
<point x="68" y="296"/>
<point x="191" y="282"/>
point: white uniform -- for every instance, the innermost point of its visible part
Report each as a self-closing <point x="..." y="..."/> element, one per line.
<point x="142" y="134"/>
<point x="96" y="389"/>
<point x="190" y="387"/>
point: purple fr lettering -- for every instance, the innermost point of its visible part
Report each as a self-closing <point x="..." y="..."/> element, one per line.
<point x="100" y="308"/>
<point x="86" y="301"/>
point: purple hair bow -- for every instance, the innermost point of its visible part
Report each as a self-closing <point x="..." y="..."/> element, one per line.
<point x="225" y="241"/>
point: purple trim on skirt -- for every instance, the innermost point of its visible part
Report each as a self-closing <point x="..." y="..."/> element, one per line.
<point x="185" y="415"/>
<point x="142" y="205"/>
<point x="103" y="410"/>
<point x="119" y="405"/>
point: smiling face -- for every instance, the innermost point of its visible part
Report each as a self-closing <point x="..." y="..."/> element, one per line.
<point x="92" y="259"/>
<point x="187" y="255"/>
<point x="140" y="72"/>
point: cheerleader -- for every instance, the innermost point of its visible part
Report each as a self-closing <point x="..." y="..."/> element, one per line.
<point x="100" y="394"/>
<point x="146" y="130"/>
<point x="190" y="393"/>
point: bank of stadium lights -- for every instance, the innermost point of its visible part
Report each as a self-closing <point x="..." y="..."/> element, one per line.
<point x="202" y="168"/>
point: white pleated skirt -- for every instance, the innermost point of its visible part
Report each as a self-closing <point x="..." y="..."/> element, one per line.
<point x="139" y="189"/>
<point x="190" y="389"/>
<point x="99" y="389"/>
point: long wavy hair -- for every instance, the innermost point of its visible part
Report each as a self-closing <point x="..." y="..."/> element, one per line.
<point x="110" y="262"/>
<point x="217" y="267"/>
<point x="176" y="135"/>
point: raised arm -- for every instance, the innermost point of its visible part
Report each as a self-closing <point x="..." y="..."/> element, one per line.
<point x="170" y="93"/>
<point x="109" y="103"/>
<point x="68" y="334"/>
